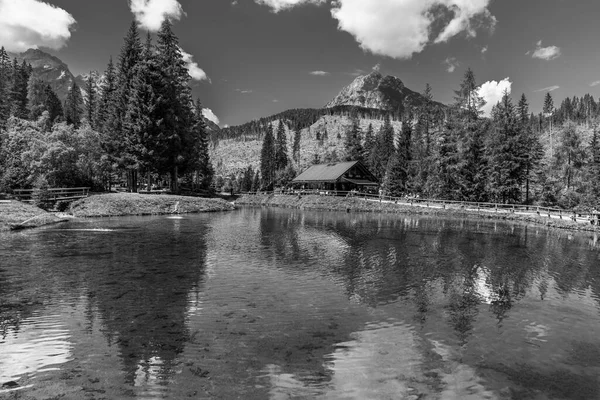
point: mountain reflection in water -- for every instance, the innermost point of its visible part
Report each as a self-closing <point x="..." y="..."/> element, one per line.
<point x="267" y="303"/>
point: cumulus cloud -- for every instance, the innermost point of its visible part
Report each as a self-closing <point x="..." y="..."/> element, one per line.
<point x="319" y="73"/>
<point x="484" y="49"/>
<point x="451" y="64"/>
<point x="150" y="14"/>
<point x="26" y="24"/>
<point x="374" y="23"/>
<point x="194" y="70"/>
<point x="492" y="93"/>
<point x="548" y="89"/>
<point x="545" y="53"/>
<point x="210" y="115"/>
<point x="595" y="83"/>
<point x="279" y="5"/>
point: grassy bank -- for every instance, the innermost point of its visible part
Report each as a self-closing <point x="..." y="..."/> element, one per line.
<point x="353" y="204"/>
<point x="17" y="215"/>
<point x="121" y="204"/>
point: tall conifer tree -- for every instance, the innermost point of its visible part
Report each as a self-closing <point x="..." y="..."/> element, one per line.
<point x="267" y="159"/>
<point x="281" y="158"/>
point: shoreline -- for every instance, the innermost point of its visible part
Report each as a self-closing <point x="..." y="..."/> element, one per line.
<point x="355" y="204"/>
<point x="16" y="215"/>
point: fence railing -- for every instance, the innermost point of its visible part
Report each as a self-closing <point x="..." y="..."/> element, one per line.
<point x="550" y="212"/>
<point x="53" y="194"/>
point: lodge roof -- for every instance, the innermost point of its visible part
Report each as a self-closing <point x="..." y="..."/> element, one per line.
<point x="331" y="172"/>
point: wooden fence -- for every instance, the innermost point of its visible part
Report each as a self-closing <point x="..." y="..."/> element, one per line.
<point x="53" y="194"/>
<point x="593" y="217"/>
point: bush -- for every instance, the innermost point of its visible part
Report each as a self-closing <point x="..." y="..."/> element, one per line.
<point x="62" y="205"/>
<point x="40" y="194"/>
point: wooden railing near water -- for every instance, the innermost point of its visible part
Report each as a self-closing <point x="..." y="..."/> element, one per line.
<point x="54" y="194"/>
<point x="592" y="217"/>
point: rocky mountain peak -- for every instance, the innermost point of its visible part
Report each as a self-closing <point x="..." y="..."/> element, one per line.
<point x="376" y="91"/>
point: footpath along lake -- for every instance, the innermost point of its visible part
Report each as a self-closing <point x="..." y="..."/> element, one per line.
<point x="264" y="303"/>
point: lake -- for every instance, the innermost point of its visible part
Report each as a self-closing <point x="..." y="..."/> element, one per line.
<point x="278" y="304"/>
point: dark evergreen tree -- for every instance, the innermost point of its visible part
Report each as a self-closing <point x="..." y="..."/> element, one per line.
<point x="142" y="137"/>
<point x="281" y="158"/>
<point x="246" y="184"/>
<point x="18" y="92"/>
<point x="383" y="149"/>
<point x="103" y="114"/>
<point x="594" y="170"/>
<point x="353" y="142"/>
<point x="267" y="160"/>
<point x="467" y="96"/>
<point x="530" y="147"/>
<point x="177" y="116"/>
<point x="90" y="101"/>
<point x="369" y="144"/>
<point x="203" y="165"/>
<point x="53" y="105"/>
<point x="397" y="175"/>
<point x="444" y="171"/>
<point x="73" y="108"/>
<point x="5" y="85"/>
<point x="504" y="154"/>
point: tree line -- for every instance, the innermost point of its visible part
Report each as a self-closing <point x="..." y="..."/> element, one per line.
<point x="141" y="120"/>
<point x="512" y="156"/>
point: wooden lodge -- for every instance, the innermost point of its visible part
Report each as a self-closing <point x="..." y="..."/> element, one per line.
<point x="340" y="176"/>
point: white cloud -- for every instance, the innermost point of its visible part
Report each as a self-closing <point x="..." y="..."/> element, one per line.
<point x="374" y="23"/>
<point x="194" y="70"/>
<point x="278" y="5"/>
<point x="595" y="83"/>
<point x="319" y="73"/>
<point x="246" y="91"/>
<point x="210" y="115"/>
<point x="484" y="49"/>
<point x="26" y="24"/>
<point x="545" y="53"/>
<point x="150" y="14"/>
<point x="548" y="89"/>
<point x="451" y="64"/>
<point x="492" y="93"/>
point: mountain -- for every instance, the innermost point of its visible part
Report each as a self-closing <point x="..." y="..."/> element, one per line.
<point x="371" y="98"/>
<point x="48" y="68"/>
<point x="377" y="91"/>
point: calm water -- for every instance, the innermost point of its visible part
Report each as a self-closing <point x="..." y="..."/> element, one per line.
<point x="279" y="304"/>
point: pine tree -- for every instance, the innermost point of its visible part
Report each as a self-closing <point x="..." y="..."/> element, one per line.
<point x="383" y="149"/>
<point x="103" y="111"/>
<point x="246" y="185"/>
<point x="296" y="146"/>
<point x="531" y="149"/>
<point x="203" y="165"/>
<point x="5" y="85"/>
<point x="142" y="136"/>
<point x="504" y="158"/>
<point x="267" y="160"/>
<point x="90" y="101"/>
<point x="73" y="106"/>
<point x="444" y="172"/>
<point x="18" y="92"/>
<point x="397" y="174"/>
<point x="53" y="105"/>
<point x="177" y="115"/>
<point x="467" y="96"/>
<point x="369" y="144"/>
<point x="594" y="169"/>
<point x="281" y="159"/>
<point x="353" y="142"/>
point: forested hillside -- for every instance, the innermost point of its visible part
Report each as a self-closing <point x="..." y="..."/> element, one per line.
<point x="142" y="121"/>
<point x="551" y="158"/>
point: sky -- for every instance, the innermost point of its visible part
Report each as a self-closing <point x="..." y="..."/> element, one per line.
<point x="254" y="58"/>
